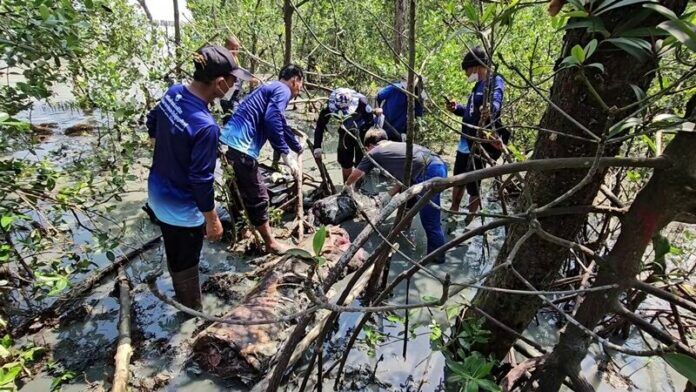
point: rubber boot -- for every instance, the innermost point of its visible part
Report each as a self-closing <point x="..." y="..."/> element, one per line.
<point x="187" y="289"/>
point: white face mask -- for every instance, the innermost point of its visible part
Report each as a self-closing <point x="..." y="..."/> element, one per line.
<point x="229" y="93"/>
<point x="474" y="77"/>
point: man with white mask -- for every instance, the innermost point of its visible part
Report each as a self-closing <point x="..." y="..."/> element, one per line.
<point x="481" y="111"/>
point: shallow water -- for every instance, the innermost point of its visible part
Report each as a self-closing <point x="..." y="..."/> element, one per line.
<point x="87" y="344"/>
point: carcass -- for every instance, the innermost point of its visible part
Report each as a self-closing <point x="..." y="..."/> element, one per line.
<point x="245" y="352"/>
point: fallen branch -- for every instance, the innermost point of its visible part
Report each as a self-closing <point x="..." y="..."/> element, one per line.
<point x="67" y="301"/>
<point x="124" y="350"/>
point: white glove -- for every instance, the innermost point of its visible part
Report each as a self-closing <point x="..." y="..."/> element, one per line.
<point x="291" y="162"/>
<point x="403" y="137"/>
<point x="317" y="153"/>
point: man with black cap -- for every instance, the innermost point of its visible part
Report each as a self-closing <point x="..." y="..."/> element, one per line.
<point x="357" y="118"/>
<point x="479" y="112"/>
<point x="260" y="118"/>
<point x="180" y="185"/>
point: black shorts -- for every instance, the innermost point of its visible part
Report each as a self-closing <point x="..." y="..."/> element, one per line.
<point x="349" y="153"/>
<point x="465" y="163"/>
<point x="251" y="186"/>
<point x="182" y="245"/>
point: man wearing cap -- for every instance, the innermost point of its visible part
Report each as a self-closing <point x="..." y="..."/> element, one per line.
<point x="180" y="184"/>
<point x="476" y="115"/>
<point x="393" y="101"/>
<point x="426" y="165"/>
<point x="356" y="114"/>
<point x="261" y="118"/>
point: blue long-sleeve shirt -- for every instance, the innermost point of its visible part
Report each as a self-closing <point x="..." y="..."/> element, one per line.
<point x="261" y="118"/>
<point x="394" y="103"/>
<point x="180" y="185"/>
<point x="471" y="113"/>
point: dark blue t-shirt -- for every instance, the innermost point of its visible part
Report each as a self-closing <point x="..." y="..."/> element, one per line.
<point x="394" y="103"/>
<point x="180" y="185"/>
<point x="471" y="113"/>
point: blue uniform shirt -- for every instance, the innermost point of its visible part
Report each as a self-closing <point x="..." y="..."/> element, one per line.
<point x="259" y="118"/>
<point x="394" y="102"/>
<point x="471" y="112"/>
<point x="180" y="185"/>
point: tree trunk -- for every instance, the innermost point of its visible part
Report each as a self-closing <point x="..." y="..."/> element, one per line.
<point x="399" y="25"/>
<point x="287" y="19"/>
<point x="177" y="41"/>
<point x="673" y="189"/>
<point x="538" y="260"/>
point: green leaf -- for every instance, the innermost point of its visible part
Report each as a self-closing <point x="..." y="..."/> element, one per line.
<point x="488" y="385"/>
<point x="110" y="255"/>
<point x="318" y="240"/>
<point x="9" y="372"/>
<point x="609" y="5"/>
<point x="683" y="364"/>
<point x="435" y="332"/>
<point x="578" y="54"/>
<point x="6" y="221"/>
<point x="3" y="117"/>
<point x="636" y="47"/>
<point x="44" y="11"/>
<point x="681" y="32"/>
<point x="599" y="66"/>
<point x="661" y="9"/>
<point x="590" y="48"/>
<point x="396" y="319"/>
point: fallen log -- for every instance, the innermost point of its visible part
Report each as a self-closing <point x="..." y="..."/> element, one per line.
<point x="65" y="302"/>
<point x="246" y="352"/>
<point x="124" y="349"/>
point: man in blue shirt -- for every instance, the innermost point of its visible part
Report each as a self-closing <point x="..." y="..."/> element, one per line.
<point x="180" y="184"/>
<point x="261" y="118"/>
<point x="393" y="102"/>
<point x="476" y="115"/>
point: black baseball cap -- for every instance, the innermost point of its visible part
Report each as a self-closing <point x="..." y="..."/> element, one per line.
<point x="214" y="61"/>
<point x="476" y="56"/>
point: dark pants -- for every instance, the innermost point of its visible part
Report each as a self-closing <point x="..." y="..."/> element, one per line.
<point x="182" y="245"/>
<point x="349" y="153"/>
<point x="250" y="185"/>
<point x="465" y="163"/>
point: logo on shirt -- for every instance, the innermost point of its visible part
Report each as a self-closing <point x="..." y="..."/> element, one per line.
<point x="177" y="98"/>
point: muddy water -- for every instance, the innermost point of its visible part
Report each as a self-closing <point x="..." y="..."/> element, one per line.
<point x="85" y="342"/>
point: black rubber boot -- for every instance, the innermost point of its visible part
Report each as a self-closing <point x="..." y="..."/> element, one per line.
<point x="187" y="289"/>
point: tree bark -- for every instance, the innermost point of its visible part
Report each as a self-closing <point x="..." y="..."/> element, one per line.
<point x="177" y="41"/>
<point x="399" y="25"/>
<point x="673" y="189"/>
<point x="539" y="260"/>
<point x="287" y="19"/>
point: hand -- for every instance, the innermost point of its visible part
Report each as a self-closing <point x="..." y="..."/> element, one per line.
<point x="213" y="228"/>
<point x="291" y="162"/>
<point x="451" y="106"/>
<point x="377" y="111"/>
<point x="317" y="153"/>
